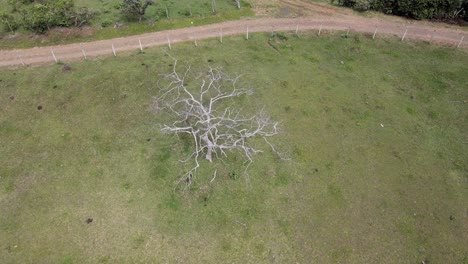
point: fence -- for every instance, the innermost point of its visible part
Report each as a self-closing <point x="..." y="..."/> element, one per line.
<point x="112" y="47"/>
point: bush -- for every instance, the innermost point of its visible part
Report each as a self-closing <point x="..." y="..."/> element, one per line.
<point x="37" y="18"/>
<point x="135" y="9"/>
<point x="105" y="23"/>
<point x="362" y="5"/>
<point x="8" y="22"/>
<point x="40" y="16"/>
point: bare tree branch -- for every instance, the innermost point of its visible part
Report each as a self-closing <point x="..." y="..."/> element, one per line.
<point x="204" y="110"/>
<point x="237" y="3"/>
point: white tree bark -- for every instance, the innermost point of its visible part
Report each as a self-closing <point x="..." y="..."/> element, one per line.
<point x="202" y="107"/>
<point x="238" y="3"/>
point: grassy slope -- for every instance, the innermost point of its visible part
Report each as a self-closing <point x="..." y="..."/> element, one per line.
<point x="356" y="192"/>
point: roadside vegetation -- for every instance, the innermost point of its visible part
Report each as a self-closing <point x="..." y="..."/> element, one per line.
<point x="421" y="9"/>
<point x="43" y="15"/>
<point x="376" y="133"/>
<point x="47" y="22"/>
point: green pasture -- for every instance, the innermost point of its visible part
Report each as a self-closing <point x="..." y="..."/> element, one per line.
<point x="376" y="132"/>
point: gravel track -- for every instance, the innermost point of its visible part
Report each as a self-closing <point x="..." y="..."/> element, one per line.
<point x="415" y="30"/>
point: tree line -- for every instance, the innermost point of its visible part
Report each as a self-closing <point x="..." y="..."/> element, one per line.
<point x="417" y="9"/>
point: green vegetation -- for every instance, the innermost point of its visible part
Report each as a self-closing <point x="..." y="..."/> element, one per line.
<point x="376" y="131"/>
<point x="135" y="9"/>
<point x="40" y="16"/>
<point x="108" y="22"/>
<point x="421" y="9"/>
<point x="43" y="15"/>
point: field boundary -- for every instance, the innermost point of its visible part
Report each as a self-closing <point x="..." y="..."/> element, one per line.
<point x="112" y="47"/>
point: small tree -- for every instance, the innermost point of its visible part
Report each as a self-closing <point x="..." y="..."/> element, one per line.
<point x="205" y="112"/>
<point x="135" y="8"/>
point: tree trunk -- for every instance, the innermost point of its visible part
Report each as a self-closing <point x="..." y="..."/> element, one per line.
<point x="9" y="26"/>
<point x="209" y="151"/>
<point x="209" y="154"/>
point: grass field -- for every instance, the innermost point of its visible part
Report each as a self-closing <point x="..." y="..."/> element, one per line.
<point x="376" y="131"/>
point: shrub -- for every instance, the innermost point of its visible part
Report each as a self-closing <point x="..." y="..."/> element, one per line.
<point x="105" y="23"/>
<point x="9" y="22"/>
<point x="40" y="16"/>
<point x="421" y="9"/>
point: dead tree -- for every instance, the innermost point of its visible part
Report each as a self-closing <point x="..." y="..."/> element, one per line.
<point x="202" y="106"/>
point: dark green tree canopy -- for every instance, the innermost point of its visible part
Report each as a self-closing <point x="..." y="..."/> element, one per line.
<point x="418" y="9"/>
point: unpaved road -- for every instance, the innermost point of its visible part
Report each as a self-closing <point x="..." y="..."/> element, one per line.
<point x="434" y="33"/>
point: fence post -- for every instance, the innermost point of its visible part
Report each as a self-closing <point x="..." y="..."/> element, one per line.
<point x="213" y="6"/>
<point x="167" y="12"/>
<point x="272" y="31"/>
<point x="194" y="40"/>
<point x="297" y="28"/>
<point x="141" y="46"/>
<point x="459" y="43"/>
<point x="53" y="55"/>
<point x="168" y="42"/>
<point x="404" y="35"/>
<point x="221" y="36"/>
<point x="113" y="50"/>
<point x="347" y="32"/>
<point x="19" y="57"/>
<point x="83" y="51"/>
<point x="247" y="33"/>
<point x="375" y="32"/>
<point x="320" y="30"/>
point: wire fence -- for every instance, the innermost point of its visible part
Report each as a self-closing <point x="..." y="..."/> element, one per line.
<point x="112" y="47"/>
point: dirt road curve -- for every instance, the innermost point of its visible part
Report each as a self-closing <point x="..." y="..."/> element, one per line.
<point x="64" y="53"/>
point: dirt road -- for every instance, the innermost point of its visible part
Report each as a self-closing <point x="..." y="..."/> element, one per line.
<point x="434" y="33"/>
